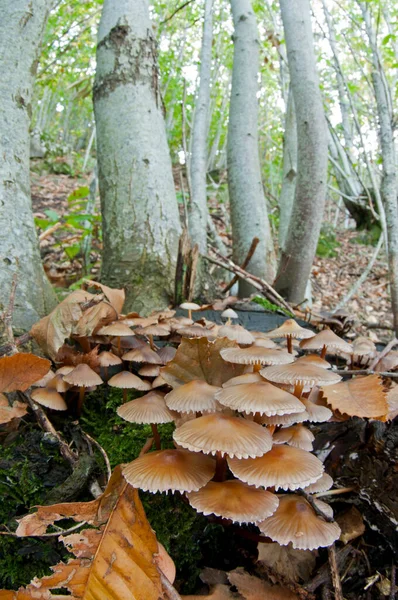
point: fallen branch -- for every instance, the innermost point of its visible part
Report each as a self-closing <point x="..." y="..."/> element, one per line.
<point x="245" y="263"/>
<point x="383" y="353"/>
<point x="334" y="572"/>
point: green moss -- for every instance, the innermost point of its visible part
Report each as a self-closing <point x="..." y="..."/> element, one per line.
<point x="269" y="306"/>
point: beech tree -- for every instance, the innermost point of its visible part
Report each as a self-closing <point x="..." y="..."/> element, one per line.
<point x="141" y="224"/>
<point x="249" y="217"/>
<point x="289" y="175"/>
<point x="312" y="153"/>
<point x="21" y="28"/>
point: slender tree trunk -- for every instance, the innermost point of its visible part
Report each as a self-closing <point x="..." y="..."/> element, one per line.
<point x="141" y="224"/>
<point x="289" y="173"/>
<point x="305" y="223"/>
<point x="248" y="207"/>
<point x="22" y="24"/>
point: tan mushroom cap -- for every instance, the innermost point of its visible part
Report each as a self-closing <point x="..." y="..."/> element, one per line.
<point x="282" y="467"/>
<point x="299" y="373"/>
<point x="296" y="522"/>
<point x="44" y="381"/>
<point x="218" y="432"/>
<point x="166" y="354"/>
<point x="193" y="331"/>
<point x="295" y="435"/>
<point x="159" y="382"/>
<point x="140" y="321"/>
<point x="256" y="356"/>
<point x="291" y="328"/>
<point x="315" y="360"/>
<point x="143" y="355"/>
<point x="245" y="378"/>
<point x="156" y="330"/>
<point x="234" y="500"/>
<point x="151" y="408"/>
<point x="170" y="470"/>
<point x="316" y="413"/>
<point x="64" y="370"/>
<point x="264" y="343"/>
<point x="262" y="398"/>
<point x="327" y="338"/>
<point x="286" y="420"/>
<point x="178" y="322"/>
<point x="128" y="381"/>
<point x="58" y="383"/>
<point x="49" y="397"/>
<point x="322" y="484"/>
<point x="117" y="329"/>
<point x="149" y="371"/>
<point x="83" y="376"/>
<point x="167" y="313"/>
<point x="195" y="396"/>
<point x="108" y="359"/>
<point x="363" y="346"/>
<point x="190" y="306"/>
<point x="237" y="333"/>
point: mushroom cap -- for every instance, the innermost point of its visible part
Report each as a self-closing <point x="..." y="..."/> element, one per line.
<point x="322" y="484"/>
<point x="143" y="355"/>
<point x="64" y="370"/>
<point x="327" y="338"/>
<point x="128" y="342"/>
<point x="49" y="397"/>
<point x="229" y="313"/>
<point x="291" y="328"/>
<point x="149" y="371"/>
<point x="83" y="376"/>
<point x="195" y="396"/>
<point x="108" y="359"/>
<point x="58" y="383"/>
<point x="150" y="408"/>
<point x="193" y="331"/>
<point x="128" y="381"/>
<point x="190" y="306"/>
<point x="166" y="313"/>
<point x="287" y="419"/>
<point x="159" y="382"/>
<point x="296" y="522"/>
<point x="300" y="373"/>
<point x="157" y="330"/>
<point x="262" y="398"/>
<point x="295" y="435"/>
<point x="229" y="435"/>
<point x="282" y="467"/>
<point x="140" y="321"/>
<point x="44" y="381"/>
<point x="234" y="500"/>
<point x="315" y="360"/>
<point x="256" y="356"/>
<point x="245" y="378"/>
<point x="166" y="354"/>
<point x="178" y="322"/>
<point x="316" y="413"/>
<point x="264" y="342"/>
<point x="170" y="470"/>
<point x="363" y="346"/>
<point x="236" y="333"/>
<point x="117" y="329"/>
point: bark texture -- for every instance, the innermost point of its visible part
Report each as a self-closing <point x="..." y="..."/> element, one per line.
<point x="22" y="23"/>
<point x="286" y="199"/>
<point x="248" y="207"/>
<point x="141" y="224"/>
<point x="305" y="223"/>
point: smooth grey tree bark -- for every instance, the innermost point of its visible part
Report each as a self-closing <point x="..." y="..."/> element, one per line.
<point x="22" y="24"/>
<point x="141" y="224"/>
<point x="248" y="207"/>
<point x="312" y="153"/>
<point x="289" y="172"/>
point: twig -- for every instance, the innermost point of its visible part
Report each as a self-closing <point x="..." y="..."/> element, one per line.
<point x="335" y="492"/>
<point x="175" y="12"/>
<point x="168" y="587"/>
<point x="104" y="454"/>
<point x="52" y="534"/>
<point x="334" y="571"/>
<point x="248" y="258"/>
<point x="19" y="341"/>
<point x="393" y="579"/>
<point x="7" y="315"/>
<point x="383" y="353"/>
<point x="49" y="231"/>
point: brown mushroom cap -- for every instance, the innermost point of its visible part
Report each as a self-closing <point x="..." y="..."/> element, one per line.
<point x="262" y="398"/>
<point x="245" y="378"/>
<point x="282" y="467"/>
<point x="150" y="408"/>
<point x="195" y="396"/>
<point x="218" y="432"/>
<point x="159" y="382"/>
<point x="44" y="381"/>
<point x="140" y="321"/>
<point x="363" y="346"/>
<point x="296" y="522"/>
<point x="143" y="355"/>
<point x="83" y="376"/>
<point x="170" y="470"/>
<point x="291" y="328"/>
<point x="193" y="331"/>
<point x="166" y="354"/>
<point x="299" y="373"/>
<point x="322" y="484"/>
<point x="295" y="435"/>
<point x="126" y="381"/>
<point x="58" y="383"/>
<point x="156" y="330"/>
<point x="327" y="338"/>
<point x="178" y="322"/>
<point x="108" y="359"/>
<point x="316" y="413"/>
<point x="234" y="500"/>
<point x="236" y="333"/>
<point x="287" y="419"/>
<point x="49" y="397"/>
<point x="149" y="371"/>
<point x="117" y="329"/>
<point x="315" y="360"/>
<point x="64" y="370"/>
<point x="256" y="356"/>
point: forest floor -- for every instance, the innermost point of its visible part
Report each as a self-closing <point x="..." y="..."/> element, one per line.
<point x="333" y="275"/>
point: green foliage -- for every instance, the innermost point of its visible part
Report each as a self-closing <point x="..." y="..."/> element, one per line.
<point x="269" y="306"/>
<point x="368" y="237"/>
<point x="327" y="243"/>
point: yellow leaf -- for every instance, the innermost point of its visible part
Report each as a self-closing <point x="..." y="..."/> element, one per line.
<point x="359" y="397"/>
<point x="19" y="371"/>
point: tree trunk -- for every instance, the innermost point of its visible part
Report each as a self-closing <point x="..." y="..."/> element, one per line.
<point x="22" y="25"/>
<point x="141" y="224"/>
<point x="312" y="154"/>
<point x="289" y="173"/>
<point x="248" y="207"/>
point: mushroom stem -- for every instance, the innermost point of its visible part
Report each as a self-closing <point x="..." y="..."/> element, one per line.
<point x="80" y="402"/>
<point x="119" y="350"/>
<point x="152" y="345"/>
<point x="257" y="368"/>
<point x="336" y="492"/>
<point x="156" y="436"/>
<point x="323" y="352"/>
<point x="228" y="321"/>
<point x="298" y="389"/>
<point x="124" y="394"/>
<point x="289" y="344"/>
<point x="189" y="313"/>
<point x="221" y="467"/>
<point x="106" y="373"/>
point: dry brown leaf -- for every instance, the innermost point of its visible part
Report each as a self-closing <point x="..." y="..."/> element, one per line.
<point x="19" y="371"/>
<point x="200" y="359"/>
<point x="392" y="401"/>
<point x="351" y="525"/>
<point x="94" y="318"/>
<point x="359" y="397"/>
<point x="219" y="592"/>
<point x="114" y="562"/>
<point x="293" y="564"/>
<point x="254" y="588"/>
<point x="116" y="297"/>
<point x="9" y="412"/>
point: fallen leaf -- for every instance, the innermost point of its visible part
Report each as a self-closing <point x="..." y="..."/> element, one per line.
<point x="19" y="371"/>
<point x="254" y="588"/>
<point x="116" y="297"/>
<point x="392" y="401"/>
<point x="293" y="564"/>
<point x="94" y="318"/>
<point x="358" y="397"/>
<point x="10" y="411"/>
<point x="199" y="358"/>
<point x="219" y="592"/>
<point x="351" y="525"/>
